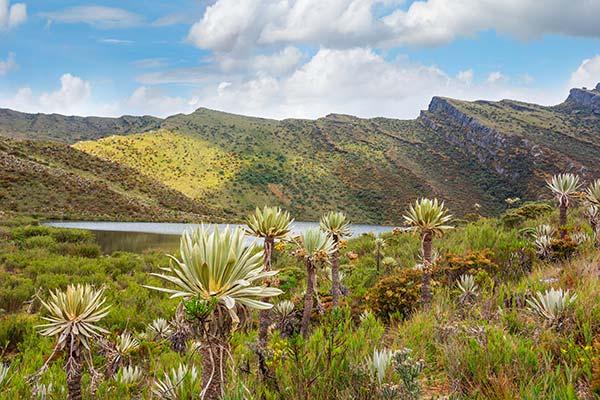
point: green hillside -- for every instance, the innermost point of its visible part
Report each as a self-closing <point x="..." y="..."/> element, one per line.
<point x="58" y="181"/>
<point x="223" y="165"/>
<point x="471" y="152"/>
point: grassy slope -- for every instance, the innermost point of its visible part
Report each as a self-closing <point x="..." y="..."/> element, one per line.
<point x="369" y="168"/>
<point x="69" y="129"/>
<point x="57" y="180"/>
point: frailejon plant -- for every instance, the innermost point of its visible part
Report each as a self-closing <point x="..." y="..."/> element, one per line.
<point x="4" y="378"/>
<point x="315" y="247"/>
<point x="378" y="252"/>
<point x="218" y="277"/>
<point x="73" y="317"/>
<point x="468" y="288"/>
<point x="160" y="329"/>
<point x="592" y="213"/>
<point x="270" y="224"/>
<point x="124" y="345"/>
<point x="379" y="363"/>
<point x="428" y="218"/>
<point x="177" y="384"/>
<point x="552" y="304"/>
<point x="564" y="187"/>
<point x="592" y="193"/>
<point x="336" y="225"/>
<point x="130" y="375"/>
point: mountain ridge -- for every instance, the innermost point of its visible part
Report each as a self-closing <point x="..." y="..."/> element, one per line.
<point x="468" y="153"/>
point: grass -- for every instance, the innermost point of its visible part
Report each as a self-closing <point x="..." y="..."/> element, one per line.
<point x="491" y="348"/>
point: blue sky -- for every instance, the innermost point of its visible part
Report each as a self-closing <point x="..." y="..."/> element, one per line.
<point x="303" y="58"/>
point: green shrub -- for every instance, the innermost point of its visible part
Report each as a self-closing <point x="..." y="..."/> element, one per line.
<point x="396" y="295"/>
<point x="515" y="217"/>
<point x="15" y="328"/>
<point x="86" y="250"/>
<point x="14" y="290"/>
<point x="44" y="242"/>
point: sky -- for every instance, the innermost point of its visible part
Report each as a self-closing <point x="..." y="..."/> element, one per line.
<point x="291" y="58"/>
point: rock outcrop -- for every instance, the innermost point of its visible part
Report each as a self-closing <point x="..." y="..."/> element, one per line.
<point x="586" y="98"/>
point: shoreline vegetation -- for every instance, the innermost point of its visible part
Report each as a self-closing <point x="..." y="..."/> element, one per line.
<point x="444" y="308"/>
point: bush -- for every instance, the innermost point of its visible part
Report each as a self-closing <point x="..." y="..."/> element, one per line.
<point x="473" y="263"/>
<point x="14" y="290"/>
<point x="86" y="250"/>
<point x="397" y="294"/>
<point x="563" y="248"/>
<point x="44" y="242"/>
<point x="14" y="329"/>
<point x="528" y="211"/>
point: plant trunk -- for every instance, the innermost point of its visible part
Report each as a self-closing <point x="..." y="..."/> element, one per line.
<point x="263" y="330"/>
<point x="214" y="370"/>
<point x="426" y="239"/>
<point x="335" y="273"/>
<point x="74" y="369"/>
<point x="308" y="297"/>
<point x="264" y="315"/>
<point x="563" y="220"/>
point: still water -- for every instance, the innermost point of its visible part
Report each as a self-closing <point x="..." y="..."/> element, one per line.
<point x="141" y="236"/>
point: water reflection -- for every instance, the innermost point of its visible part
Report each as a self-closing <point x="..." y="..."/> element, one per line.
<point x="141" y="236"/>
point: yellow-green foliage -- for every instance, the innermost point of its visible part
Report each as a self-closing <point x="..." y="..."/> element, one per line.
<point x="182" y="162"/>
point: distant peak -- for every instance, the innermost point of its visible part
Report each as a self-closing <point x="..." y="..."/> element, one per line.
<point x="587" y="98"/>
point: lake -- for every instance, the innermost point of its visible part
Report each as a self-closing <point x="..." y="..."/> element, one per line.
<point x="138" y="237"/>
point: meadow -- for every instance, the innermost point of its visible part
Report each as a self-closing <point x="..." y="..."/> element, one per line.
<point x="513" y="313"/>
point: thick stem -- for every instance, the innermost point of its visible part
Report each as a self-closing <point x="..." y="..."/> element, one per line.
<point x="335" y="272"/>
<point x="264" y="320"/>
<point x="563" y="219"/>
<point x="426" y="241"/>
<point x="214" y="371"/>
<point x="308" y="297"/>
<point x="74" y="369"/>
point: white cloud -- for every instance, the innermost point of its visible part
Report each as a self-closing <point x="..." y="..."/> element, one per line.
<point x="152" y="101"/>
<point x="495" y="77"/>
<point x="279" y="63"/>
<point x="115" y="41"/>
<point x="96" y="16"/>
<point x="465" y="76"/>
<point x="12" y="16"/>
<point x="359" y="82"/>
<point x="237" y="25"/>
<point x="588" y="73"/>
<point x="9" y="64"/>
<point x="72" y="98"/>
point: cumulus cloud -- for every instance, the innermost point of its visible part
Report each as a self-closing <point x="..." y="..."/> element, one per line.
<point x="96" y="16"/>
<point x="153" y="101"/>
<point x="355" y="81"/>
<point x="588" y="73"/>
<point x="71" y="98"/>
<point x="12" y="15"/>
<point x="234" y="25"/>
<point x="9" y="64"/>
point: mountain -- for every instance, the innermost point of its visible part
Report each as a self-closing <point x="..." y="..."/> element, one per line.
<point x="59" y="181"/>
<point x="70" y="129"/>
<point x="466" y="153"/>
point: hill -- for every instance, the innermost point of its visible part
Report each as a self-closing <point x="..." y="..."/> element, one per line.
<point x="56" y="180"/>
<point x="467" y="152"/>
<point x="70" y="129"/>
